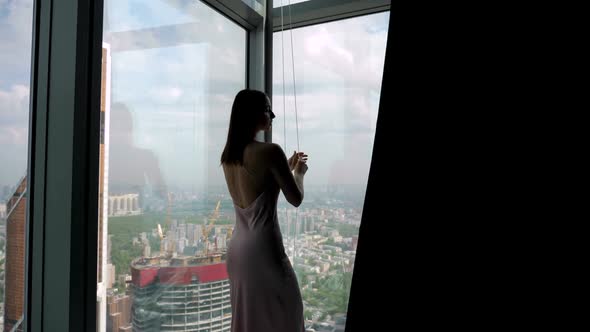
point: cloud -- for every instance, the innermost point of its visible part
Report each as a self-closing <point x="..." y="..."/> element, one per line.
<point x="122" y="15"/>
<point x="15" y="41"/>
<point x="167" y="94"/>
<point x="321" y="44"/>
<point x="15" y="54"/>
<point x="339" y="68"/>
<point x="14" y="115"/>
<point x="344" y="48"/>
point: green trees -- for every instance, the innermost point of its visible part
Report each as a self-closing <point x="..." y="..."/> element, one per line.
<point x="123" y="230"/>
<point x="331" y="296"/>
<point x="122" y="253"/>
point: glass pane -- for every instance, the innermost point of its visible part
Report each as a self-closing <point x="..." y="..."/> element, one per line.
<point x="338" y="73"/>
<point x="280" y="3"/>
<point x="16" y="22"/>
<point x="170" y="72"/>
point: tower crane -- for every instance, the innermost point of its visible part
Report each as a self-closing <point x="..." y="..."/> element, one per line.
<point x="167" y="226"/>
<point x="207" y="229"/>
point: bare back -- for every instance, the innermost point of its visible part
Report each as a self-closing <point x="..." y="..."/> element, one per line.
<point x="265" y="168"/>
<point x="247" y="182"/>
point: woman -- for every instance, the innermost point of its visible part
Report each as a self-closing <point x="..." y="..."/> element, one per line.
<point x="264" y="292"/>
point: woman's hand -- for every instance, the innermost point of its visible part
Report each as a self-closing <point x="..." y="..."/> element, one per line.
<point x="301" y="167"/>
<point x="295" y="158"/>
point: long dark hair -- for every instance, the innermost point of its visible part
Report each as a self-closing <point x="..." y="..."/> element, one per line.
<point x="246" y="112"/>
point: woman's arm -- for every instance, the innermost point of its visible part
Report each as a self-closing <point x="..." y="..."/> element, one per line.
<point x="291" y="185"/>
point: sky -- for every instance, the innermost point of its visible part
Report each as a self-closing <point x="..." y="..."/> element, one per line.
<point x="176" y="67"/>
<point x="15" y="47"/>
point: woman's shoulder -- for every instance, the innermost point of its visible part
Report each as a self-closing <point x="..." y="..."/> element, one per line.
<point x="264" y="150"/>
<point x="265" y="147"/>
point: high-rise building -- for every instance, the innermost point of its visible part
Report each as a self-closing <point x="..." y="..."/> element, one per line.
<point x="180" y="246"/>
<point x="181" y="231"/>
<point x="123" y="280"/>
<point x="118" y="312"/>
<point x="5" y="193"/>
<point x="221" y="241"/>
<point x="183" y="293"/>
<point x="110" y="275"/>
<point x="147" y="250"/>
<point x="298" y="224"/>
<point x="190" y="234"/>
<point x="2" y="210"/>
<point x="198" y="233"/>
<point x="14" y="274"/>
<point x="123" y="205"/>
<point x="103" y="197"/>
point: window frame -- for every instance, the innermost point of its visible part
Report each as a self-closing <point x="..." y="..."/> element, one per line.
<point x="63" y="154"/>
<point x="323" y="11"/>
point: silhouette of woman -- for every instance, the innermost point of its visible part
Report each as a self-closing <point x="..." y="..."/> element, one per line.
<point x="264" y="290"/>
<point x="132" y="169"/>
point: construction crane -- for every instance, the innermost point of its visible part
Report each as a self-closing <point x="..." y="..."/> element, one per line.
<point x="207" y="229"/>
<point x="161" y="232"/>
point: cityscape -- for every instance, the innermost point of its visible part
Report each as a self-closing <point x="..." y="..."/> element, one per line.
<point x="320" y="239"/>
<point x="165" y="266"/>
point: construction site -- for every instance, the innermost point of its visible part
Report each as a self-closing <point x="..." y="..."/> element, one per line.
<point x="184" y="286"/>
<point x="181" y="294"/>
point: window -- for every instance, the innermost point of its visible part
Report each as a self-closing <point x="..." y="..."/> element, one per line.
<point x="170" y="72"/>
<point x="280" y="3"/>
<point x="15" y="54"/>
<point x="338" y="73"/>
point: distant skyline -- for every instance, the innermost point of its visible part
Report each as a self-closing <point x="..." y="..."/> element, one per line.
<point x="182" y="121"/>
